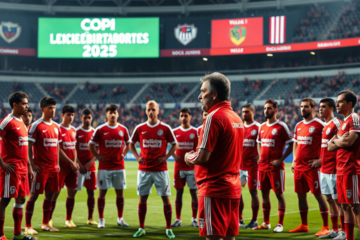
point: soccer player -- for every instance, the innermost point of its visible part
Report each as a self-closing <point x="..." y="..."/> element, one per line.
<point x="86" y="161"/>
<point x="328" y="165"/>
<point x="113" y="141"/>
<point x="68" y="166"/>
<point x="249" y="164"/>
<point x="306" y="151"/>
<point x="347" y="144"/>
<point x="153" y="137"/>
<point x="273" y="136"/>
<point x="44" y="135"/>
<point x="204" y="115"/>
<point x="187" y="137"/>
<point x="15" y="169"/>
<point x="217" y="161"/>
<point x="27" y="117"/>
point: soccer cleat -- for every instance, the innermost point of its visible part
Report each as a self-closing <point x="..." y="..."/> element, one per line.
<point x="3" y="238"/>
<point x="331" y="235"/>
<point x="263" y="226"/>
<point x="279" y="228"/>
<point x="51" y="223"/>
<point x="101" y="223"/>
<point x="252" y="224"/>
<point x="30" y="231"/>
<point x="324" y="231"/>
<point x="139" y="233"/>
<point x="70" y="224"/>
<point x="301" y="228"/>
<point x="121" y="222"/>
<point x="177" y="223"/>
<point x="91" y="222"/>
<point x="170" y="234"/>
<point x="47" y="227"/>
<point x="241" y="224"/>
<point x="194" y="222"/>
<point x="341" y="236"/>
<point x="23" y="236"/>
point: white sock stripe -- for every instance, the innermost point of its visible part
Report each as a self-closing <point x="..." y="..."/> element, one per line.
<point x="18" y="205"/>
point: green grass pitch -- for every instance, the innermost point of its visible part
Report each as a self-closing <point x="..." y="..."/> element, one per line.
<point x="155" y="221"/>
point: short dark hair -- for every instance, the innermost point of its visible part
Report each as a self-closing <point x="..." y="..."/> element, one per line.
<point x="185" y="110"/>
<point x="249" y="105"/>
<point x="273" y="102"/>
<point x="309" y="100"/>
<point x="30" y="110"/>
<point x="86" y="111"/>
<point x="330" y="102"/>
<point x="350" y="96"/>
<point x="219" y="83"/>
<point x="16" y="97"/>
<point x="67" y="109"/>
<point x="46" y="101"/>
<point x="111" y="107"/>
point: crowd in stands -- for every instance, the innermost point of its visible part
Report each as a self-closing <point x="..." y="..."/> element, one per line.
<point x="58" y="92"/>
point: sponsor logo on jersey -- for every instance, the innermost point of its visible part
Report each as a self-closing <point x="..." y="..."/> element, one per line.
<point x="311" y="129"/>
<point x="253" y="132"/>
<point x="237" y="125"/>
<point x="50" y="142"/>
<point x="324" y="143"/>
<point x="68" y="145"/>
<point x="160" y="132"/>
<point x="121" y="133"/>
<point x="106" y="133"/>
<point x="328" y="131"/>
<point x="249" y="143"/>
<point x="18" y="128"/>
<point x="113" y="143"/>
<point x="267" y="142"/>
<point x="304" y="140"/>
<point x="274" y="131"/>
<point x="344" y="126"/>
<point x="23" y="141"/>
<point x="152" y="143"/>
<point x="81" y="136"/>
<point x="192" y="136"/>
<point x="186" y="145"/>
<point x="10" y="31"/>
<point x="83" y="146"/>
<point x="185" y="33"/>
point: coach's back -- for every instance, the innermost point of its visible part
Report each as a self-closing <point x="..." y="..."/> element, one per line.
<point x="223" y="135"/>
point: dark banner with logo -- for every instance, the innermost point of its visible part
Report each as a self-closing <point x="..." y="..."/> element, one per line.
<point x="17" y="35"/>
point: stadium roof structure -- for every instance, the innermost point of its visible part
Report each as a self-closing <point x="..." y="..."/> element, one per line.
<point x="124" y="7"/>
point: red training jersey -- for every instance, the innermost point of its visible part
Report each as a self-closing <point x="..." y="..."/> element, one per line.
<point x="307" y="135"/>
<point x="112" y="141"/>
<point x="328" y="159"/>
<point x="347" y="161"/>
<point x="188" y="141"/>
<point x="14" y="143"/>
<point x="46" y="137"/>
<point x="84" y="155"/>
<point x="250" y="147"/>
<point x="153" y="141"/>
<point x="273" y="138"/>
<point x="223" y="135"/>
<point x="68" y="145"/>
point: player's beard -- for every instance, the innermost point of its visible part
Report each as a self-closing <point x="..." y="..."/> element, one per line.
<point x="269" y="115"/>
<point x="305" y="115"/>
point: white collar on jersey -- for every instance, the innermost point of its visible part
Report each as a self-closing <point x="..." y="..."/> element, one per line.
<point x="19" y="119"/>
<point x="348" y="116"/>
<point x="327" y="123"/>
<point x="65" y="127"/>
<point x="113" y="127"/>
<point x="314" y="119"/>
<point x="250" y="124"/>
<point x="86" y="130"/>
<point x="186" y="129"/>
<point x="152" y="126"/>
<point x="48" y="123"/>
<point x="269" y="125"/>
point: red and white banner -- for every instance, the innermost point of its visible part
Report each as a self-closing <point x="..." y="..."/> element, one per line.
<point x="277" y="29"/>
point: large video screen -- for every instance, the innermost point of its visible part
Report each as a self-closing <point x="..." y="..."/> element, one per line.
<point x="98" y="37"/>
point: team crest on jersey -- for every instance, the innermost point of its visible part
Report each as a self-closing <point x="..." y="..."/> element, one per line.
<point x="121" y="133"/>
<point x="348" y="193"/>
<point x="160" y="132"/>
<point x="201" y="223"/>
<point x="311" y="129"/>
<point x="192" y="136"/>
<point x="37" y="186"/>
<point x="344" y="126"/>
<point x="274" y="131"/>
<point x="12" y="189"/>
<point x="56" y="131"/>
<point x="253" y="132"/>
<point x="328" y="131"/>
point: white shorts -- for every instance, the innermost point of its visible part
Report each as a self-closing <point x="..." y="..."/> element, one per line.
<point x="243" y="177"/>
<point x="328" y="184"/>
<point x="111" y="178"/>
<point x="161" y="180"/>
<point x="183" y="177"/>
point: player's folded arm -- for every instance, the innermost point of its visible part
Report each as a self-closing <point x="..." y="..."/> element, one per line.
<point x="201" y="156"/>
<point x="347" y="141"/>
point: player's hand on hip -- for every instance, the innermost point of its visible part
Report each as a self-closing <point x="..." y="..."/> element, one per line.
<point x="35" y="168"/>
<point x="162" y="160"/>
<point x="140" y="160"/>
<point x="315" y="163"/>
<point x="9" y="168"/>
<point x="100" y="157"/>
<point x="256" y="159"/>
<point x="276" y="163"/>
<point x="177" y="158"/>
<point x="31" y="174"/>
<point x="293" y="167"/>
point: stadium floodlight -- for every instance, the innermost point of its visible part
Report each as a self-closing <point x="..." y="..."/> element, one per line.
<point x="312" y="53"/>
<point x="205" y="59"/>
<point x="269" y="55"/>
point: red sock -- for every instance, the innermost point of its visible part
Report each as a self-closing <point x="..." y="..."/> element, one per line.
<point x="178" y="206"/>
<point x="255" y="211"/>
<point x="303" y="214"/>
<point x="2" y="221"/>
<point x="120" y="206"/>
<point x="17" y="215"/>
<point x="46" y="211"/>
<point x="101" y="207"/>
<point x="241" y="208"/>
<point x="142" y="213"/>
<point x="29" y="210"/>
<point x="266" y="211"/>
<point x="53" y="204"/>
<point x="168" y="215"/>
<point x="349" y="229"/>
<point x="342" y="222"/>
<point x="334" y="222"/>
<point x="325" y="216"/>
<point x="194" y="208"/>
<point x="91" y="207"/>
<point x="281" y="216"/>
<point x="70" y="202"/>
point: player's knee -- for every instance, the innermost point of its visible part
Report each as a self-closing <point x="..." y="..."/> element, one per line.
<point x="346" y="207"/>
<point x="330" y="200"/>
<point x="20" y="201"/>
